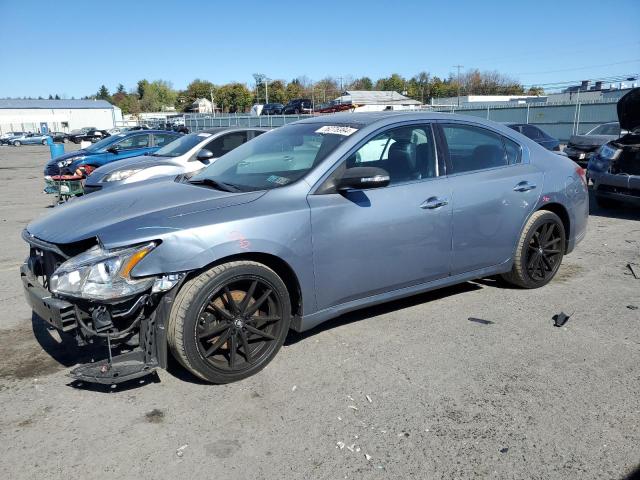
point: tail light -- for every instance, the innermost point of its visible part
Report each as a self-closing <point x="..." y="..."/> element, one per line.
<point x="582" y="173"/>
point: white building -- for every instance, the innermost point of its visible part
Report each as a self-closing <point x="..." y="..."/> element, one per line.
<point x="202" y="105"/>
<point x="57" y="115"/>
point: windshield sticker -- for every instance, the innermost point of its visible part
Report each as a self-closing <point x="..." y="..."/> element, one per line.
<point x="337" y="130"/>
<point x="204" y="134"/>
<point x="278" y="180"/>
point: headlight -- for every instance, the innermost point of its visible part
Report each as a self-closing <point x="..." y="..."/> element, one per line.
<point x="119" y="175"/>
<point x="101" y="274"/>
<point x="68" y="161"/>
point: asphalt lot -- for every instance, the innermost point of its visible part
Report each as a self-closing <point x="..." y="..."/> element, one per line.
<point x="435" y="394"/>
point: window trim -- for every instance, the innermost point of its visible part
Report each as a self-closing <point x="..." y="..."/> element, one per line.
<point x="326" y="184"/>
<point x="445" y="147"/>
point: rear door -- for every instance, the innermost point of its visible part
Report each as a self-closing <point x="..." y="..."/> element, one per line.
<point x="494" y="189"/>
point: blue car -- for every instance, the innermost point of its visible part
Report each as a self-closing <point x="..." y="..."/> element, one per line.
<point x="537" y="135"/>
<point x="300" y="225"/>
<point x="29" y="139"/>
<point x="116" y="147"/>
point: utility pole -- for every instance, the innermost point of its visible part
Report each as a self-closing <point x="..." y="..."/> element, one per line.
<point x="458" y="67"/>
<point x="266" y="89"/>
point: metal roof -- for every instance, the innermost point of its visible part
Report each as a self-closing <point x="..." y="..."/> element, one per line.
<point x="54" y="104"/>
<point x="375" y="97"/>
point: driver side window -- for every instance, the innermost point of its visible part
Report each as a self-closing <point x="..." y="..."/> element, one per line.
<point x="406" y="153"/>
<point x="136" y="141"/>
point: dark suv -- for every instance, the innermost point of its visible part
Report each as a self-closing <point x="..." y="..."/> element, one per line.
<point x="272" y="109"/>
<point x="297" y="106"/>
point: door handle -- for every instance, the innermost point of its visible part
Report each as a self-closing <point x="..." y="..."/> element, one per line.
<point x="524" y="187"/>
<point x="434" y="202"/>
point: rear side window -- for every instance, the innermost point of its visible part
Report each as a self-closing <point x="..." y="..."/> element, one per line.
<point x="161" y="139"/>
<point x="135" y="141"/>
<point x="473" y="148"/>
<point x="226" y="143"/>
<point x="513" y="151"/>
<point x="532" y="132"/>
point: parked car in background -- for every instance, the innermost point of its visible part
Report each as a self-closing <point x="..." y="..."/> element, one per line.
<point x="80" y="163"/>
<point x="300" y="225"/>
<point x="186" y="154"/>
<point x="92" y="135"/>
<point x="615" y="167"/>
<point x="537" y="135"/>
<point x="272" y="109"/>
<point x="580" y="147"/>
<point x="29" y="139"/>
<point x="137" y="127"/>
<point x="298" y="106"/>
<point x="59" y="137"/>
<point x="5" y="138"/>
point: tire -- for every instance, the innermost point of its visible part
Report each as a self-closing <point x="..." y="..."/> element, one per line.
<point x="539" y="251"/>
<point x="65" y="140"/>
<point x="296" y="111"/>
<point x="205" y="328"/>
<point x="606" y="203"/>
<point x="16" y="143"/>
<point x="44" y="142"/>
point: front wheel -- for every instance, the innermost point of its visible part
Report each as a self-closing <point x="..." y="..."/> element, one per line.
<point x="16" y="143"/>
<point x="539" y="252"/>
<point x="229" y="322"/>
<point x="44" y="142"/>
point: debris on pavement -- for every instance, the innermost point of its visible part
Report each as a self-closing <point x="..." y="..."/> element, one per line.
<point x="504" y="450"/>
<point x="560" y="319"/>
<point x="369" y="399"/>
<point x="632" y="307"/>
<point x="294" y="388"/>
<point x="367" y="456"/>
<point x="352" y="447"/>
<point x="635" y="269"/>
<point x="353" y="407"/>
<point x="180" y="451"/>
<point x="481" y="321"/>
<point x="340" y="445"/>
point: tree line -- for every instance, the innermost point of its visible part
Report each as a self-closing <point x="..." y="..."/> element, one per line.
<point x="159" y="95"/>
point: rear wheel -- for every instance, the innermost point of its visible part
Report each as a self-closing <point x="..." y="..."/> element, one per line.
<point x="539" y="252"/>
<point x="229" y="322"/>
<point x="16" y="143"/>
<point x="44" y="142"/>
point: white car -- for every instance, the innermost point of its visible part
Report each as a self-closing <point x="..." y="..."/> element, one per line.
<point x="186" y="154"/>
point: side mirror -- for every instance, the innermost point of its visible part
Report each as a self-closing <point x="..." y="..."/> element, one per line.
<point x="204" y="155"/>
<point x="361" y="178"/>
<point x="113" y="150"/>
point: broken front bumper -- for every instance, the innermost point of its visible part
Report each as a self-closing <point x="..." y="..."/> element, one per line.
<point x="67" y="317"/>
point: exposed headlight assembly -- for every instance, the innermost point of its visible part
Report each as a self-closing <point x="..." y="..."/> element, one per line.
<point x="100" y="274"/>
<point x="119" y="175"/>
<point x="68" y="161"/>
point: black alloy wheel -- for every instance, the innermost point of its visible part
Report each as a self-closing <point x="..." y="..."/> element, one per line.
<point x="539" y="251"/>
<point x="230" y="321"/>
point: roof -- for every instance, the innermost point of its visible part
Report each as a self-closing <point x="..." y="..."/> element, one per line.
<point x="52" y="104"/>
<point x="376" y="97"/>
<point x="368" y="118"/>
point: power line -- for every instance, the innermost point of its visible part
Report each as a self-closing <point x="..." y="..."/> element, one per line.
<point x="580" y="68"/>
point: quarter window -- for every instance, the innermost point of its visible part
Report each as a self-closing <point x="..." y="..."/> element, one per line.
<point x="136" y="141"/>
<point x="513" y="150"/>
<point x="406" y="153"/>
<point x="226" y="143"/>
<point x="473" y="148"/>
<point x="161" y="139"/>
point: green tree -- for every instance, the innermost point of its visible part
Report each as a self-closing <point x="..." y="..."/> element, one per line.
<point x="276" y="90"/>
<point x="120" y="88"/>
<point x="362" y="83"/>
<point x="158" y="96"/>
<point x="103" y="94"/>
<point x="535" y="91"/>
<point x="294" y="90"/>
<point x="395" y="83"/>
<point x="57" y="97"/>
<point x="196" y="89"/>
<point x="142" y="84"/>
<point x="50" y="97"/>
<point x="234" y="97"/>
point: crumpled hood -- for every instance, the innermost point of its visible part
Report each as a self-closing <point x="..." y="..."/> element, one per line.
<point x="590" y="140"/>
<point x="142" y="161"/>
<point x="629" y="110"/>
<point x="147" y="207"/>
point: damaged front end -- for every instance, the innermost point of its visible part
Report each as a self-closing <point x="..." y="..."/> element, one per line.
<point x="90" y="293"/>
<point x="615" y="170"/>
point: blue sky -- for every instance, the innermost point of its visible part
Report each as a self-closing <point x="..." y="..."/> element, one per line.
<point x="71" y="48"/>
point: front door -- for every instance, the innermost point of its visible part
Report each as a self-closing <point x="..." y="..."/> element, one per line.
<point x="493" y="193"/>
<point x="371" y="241"/>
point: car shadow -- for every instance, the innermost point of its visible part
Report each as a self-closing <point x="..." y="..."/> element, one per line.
<point x="383" y="308"/>
<point x="622" y="211"/>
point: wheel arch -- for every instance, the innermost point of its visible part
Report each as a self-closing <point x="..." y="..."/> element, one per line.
<point x="563" y="213"/>
<point x="278" y="265"/>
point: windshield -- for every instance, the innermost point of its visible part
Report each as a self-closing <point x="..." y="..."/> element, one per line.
<point x="276" y="158"/>
<point x="181" y="145"/>
<point x="104" y="143"/>
<point x="606" y="129"/>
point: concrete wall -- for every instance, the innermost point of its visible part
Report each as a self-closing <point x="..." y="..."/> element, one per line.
<point x="30" y="119"/>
